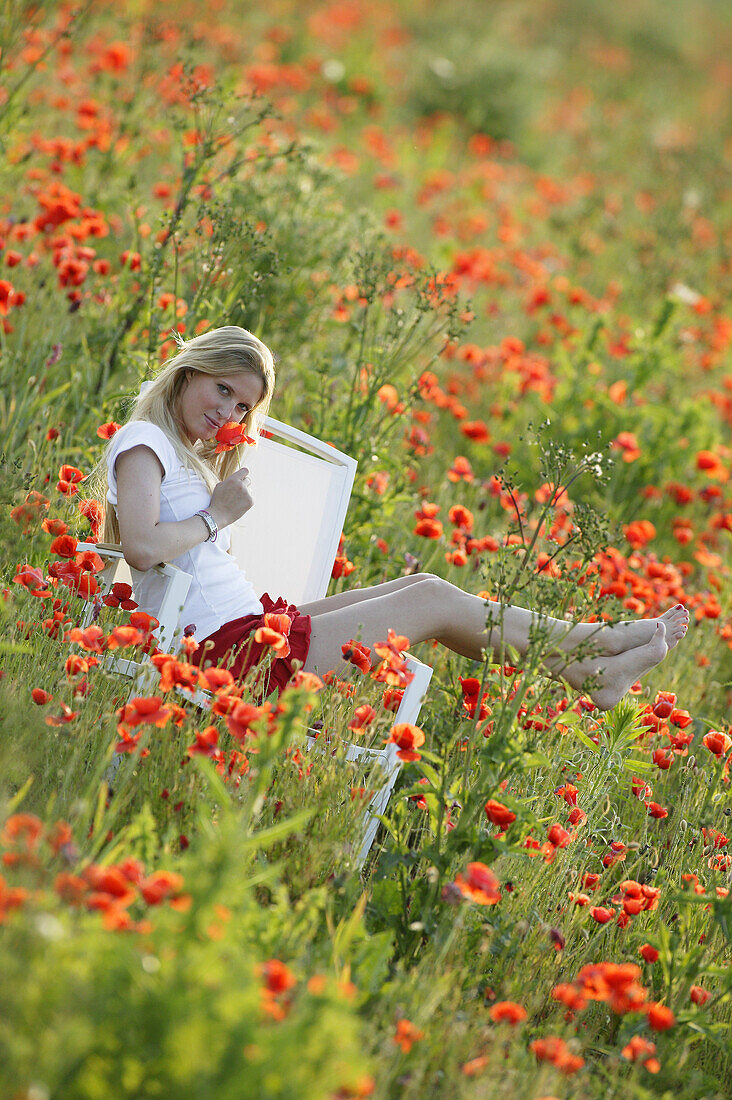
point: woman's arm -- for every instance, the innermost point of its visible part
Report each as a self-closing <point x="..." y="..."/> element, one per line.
<point x="145" y="540"/>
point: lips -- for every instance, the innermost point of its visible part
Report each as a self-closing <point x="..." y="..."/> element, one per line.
<point x="211" y="423"/>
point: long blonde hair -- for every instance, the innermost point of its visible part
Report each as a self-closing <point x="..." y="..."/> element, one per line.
<point x="221" y="351"/>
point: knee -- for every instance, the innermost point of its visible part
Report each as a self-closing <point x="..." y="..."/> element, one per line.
<point x="433" y="588"/>
<point x="425" y="578"/>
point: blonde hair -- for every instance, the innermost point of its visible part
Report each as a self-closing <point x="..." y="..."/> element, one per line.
<point x="221" y="351"/>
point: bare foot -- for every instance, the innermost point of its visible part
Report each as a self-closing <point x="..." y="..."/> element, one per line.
<point x="631" y="633"/>
<point x="615" y="675"/>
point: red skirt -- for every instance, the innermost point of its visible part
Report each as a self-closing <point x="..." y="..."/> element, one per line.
<point x="234" y="647"/>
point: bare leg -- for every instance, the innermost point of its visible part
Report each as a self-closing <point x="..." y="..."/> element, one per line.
<point x="433" y="608"/>
<point x="602" y="638"/>
<point x="358" y="595"/>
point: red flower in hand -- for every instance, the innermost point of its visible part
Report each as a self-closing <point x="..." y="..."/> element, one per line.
<point x="230" y="435"/>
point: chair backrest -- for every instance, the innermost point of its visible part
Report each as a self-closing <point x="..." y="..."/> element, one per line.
<point x="287" y="542"/>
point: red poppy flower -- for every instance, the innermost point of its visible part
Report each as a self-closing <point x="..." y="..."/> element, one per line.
<point x="84" y="584"/>
<point x="639" y="533"/>
<point x="206" y="744"/>
<point x="717" y="742"/>
<point x="8" y="297"/>
<point x="408" y="738"/>
<point x="699" y="995"/>
<point x="461" y="516"/>
<point x="231" y="435"/>
<point x="40" y="696"/>
<point x="641" y="1050"/>
<point x="306" y="680"/>
<point x="476" y="430"/>
<point x="265" y="635"/>
<point x="24" y="829"/>
<point x="106" y="431"/>
<point x="217" y="679"/>
<point x="75" y="665"/>
<point x="628" y="444"/>
<point x="363" y="716"/>
<point x="601" y="914"/>
<point x="391" y="650"/>
<point x="120" y="595"/>
<point x="389" y="396"/>
<point x="461" y="470"/>
<point x="663" y="759"/>
<point x="499" y="814"/>
<point x="280" y="623"/>
<point x="428" y="528"/>
<point x="55" y="526"/>
<point x="660" y="1018"/>
<point x="161" y="885"/>
<point x="655" y="810"/>
<point x="357" y="654"/>
<point x="406" y="1035"/>
<point x="480" y="885"/>
<point x="92" y="639"/>
<point x="31" y="577"/>
<point x="26" y="514"/>
<point x="712" y="465"/>
<point x="68" y="479"/>
<point x="123" y="636"/>
<point x="278" y="977"/>
<point x="240" y="717"/>
<point x="144" y="709"/>
<point x="558" y="836"/>
<point x="555" y="1050"/>
<point x="342" y="567"/>
<point x="94" y="513"/>
<point x="392" y="699"/>
<point x="143" y="621"/>
<point x="508" y="1012"/>
<point x="640" y="788"/>
<point x="64" y="546"/>
<point x="67" y="715"/>
<point x="664" y="704"/>
<point x="568" y="792"/>
<point x="649" y="953"/>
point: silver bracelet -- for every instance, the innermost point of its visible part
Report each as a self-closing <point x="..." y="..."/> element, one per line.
<point x="210" y="522"/>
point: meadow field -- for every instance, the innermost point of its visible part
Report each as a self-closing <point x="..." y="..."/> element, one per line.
<point x="489" y="245"/>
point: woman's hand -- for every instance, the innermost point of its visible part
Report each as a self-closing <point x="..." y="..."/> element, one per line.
<point x="145" y="540"/>
<point x="231" y="498"/>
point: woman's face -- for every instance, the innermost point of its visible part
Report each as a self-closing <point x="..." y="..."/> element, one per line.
<point x="207" y="401"/>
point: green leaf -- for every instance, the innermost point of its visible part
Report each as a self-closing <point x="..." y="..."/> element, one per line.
<point x="18" y="797"/>
<point x="638" y="765"/>
<point x="590" y="744"/>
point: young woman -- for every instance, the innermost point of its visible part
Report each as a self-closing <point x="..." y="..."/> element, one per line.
<point x="171" y="498"/>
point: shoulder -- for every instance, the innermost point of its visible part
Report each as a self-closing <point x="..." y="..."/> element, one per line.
<point x="141" y="433"/>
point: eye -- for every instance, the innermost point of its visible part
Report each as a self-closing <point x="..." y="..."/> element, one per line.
<point x="223" y="389"/>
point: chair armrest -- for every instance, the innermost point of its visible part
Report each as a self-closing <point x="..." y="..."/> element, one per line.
<point x="176" y="588"/>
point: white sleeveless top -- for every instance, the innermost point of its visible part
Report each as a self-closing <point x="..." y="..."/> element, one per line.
<point x="219" y="589"/>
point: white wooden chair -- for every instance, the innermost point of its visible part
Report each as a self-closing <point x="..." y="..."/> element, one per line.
<point x="286" y="544"/>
